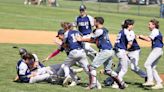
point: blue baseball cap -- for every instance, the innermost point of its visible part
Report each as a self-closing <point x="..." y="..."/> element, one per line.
<point x="60" y="32"/>
<point x="82" y="8"/>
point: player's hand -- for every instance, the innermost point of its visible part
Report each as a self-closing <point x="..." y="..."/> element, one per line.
<point x="56" y="41"/>
<point x="33" y="74"/>
<point x="36" y="64"/>
<point x="141" y="36"/>
<point x="44" y="60"/>
<point x="137" y="36"/>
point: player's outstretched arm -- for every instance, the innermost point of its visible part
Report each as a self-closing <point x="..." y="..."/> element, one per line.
<point x="145" y="38"/>
<point x="81" y="39"/>
<point x="53" y="54"/>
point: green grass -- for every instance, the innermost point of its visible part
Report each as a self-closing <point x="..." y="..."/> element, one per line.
<point x="9" y="58"/>
<point x="15" y="15"/>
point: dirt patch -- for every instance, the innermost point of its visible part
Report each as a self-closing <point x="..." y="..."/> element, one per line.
<point x="40" y="37"/>
<point x="26" y="36"/>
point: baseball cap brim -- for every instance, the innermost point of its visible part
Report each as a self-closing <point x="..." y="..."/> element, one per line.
<point x="61" y="31"/>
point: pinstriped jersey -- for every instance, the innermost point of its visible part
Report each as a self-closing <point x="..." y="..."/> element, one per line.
<point x="102" y="39"/>
<point x="23" y="71"/>
<point x="70" y="40"/>
<point x="84" y="24"/>
<point x="122" y="41"/>
<point x="157" y="38"/>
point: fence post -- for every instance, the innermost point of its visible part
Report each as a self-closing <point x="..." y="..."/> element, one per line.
<point x="162" y="9"/>
<point x="118" y="5"/>
<point x="82" y="2"/>
<point x="138" y="1"/>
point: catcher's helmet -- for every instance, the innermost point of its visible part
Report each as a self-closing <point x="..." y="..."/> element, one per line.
<point x="22" y="52"/>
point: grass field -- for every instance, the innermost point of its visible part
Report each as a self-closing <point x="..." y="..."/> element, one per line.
<point x="15" y="15"/>
<point x="9" y="57"/>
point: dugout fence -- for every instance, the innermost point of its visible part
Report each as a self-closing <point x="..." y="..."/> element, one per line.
<point x="152" y="10"/>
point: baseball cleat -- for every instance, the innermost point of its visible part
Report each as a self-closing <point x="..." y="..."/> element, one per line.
<point x="122" y="86"/>
<point x="92" y="86"/>
<point x="73" y="83"/>
<point x="98" y="85"/>
<point x="148" y="84"/>
<point x="79" y="70"/>
<point x="66" y="81"/>
<point x="157" y="86"/>
<point x="115" y="86"/>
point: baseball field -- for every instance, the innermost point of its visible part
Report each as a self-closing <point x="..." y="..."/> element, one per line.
<point x="34" y="28"/>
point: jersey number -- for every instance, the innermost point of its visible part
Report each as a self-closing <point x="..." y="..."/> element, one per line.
<point x="73" y="37"/>
<point x="118" y="38"/>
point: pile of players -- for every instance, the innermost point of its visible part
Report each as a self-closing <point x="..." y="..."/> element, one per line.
<point x="76" y="45"/>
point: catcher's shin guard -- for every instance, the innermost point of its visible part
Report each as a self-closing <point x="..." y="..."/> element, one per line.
<point x="114" y="76"/>
<point x="92" y="77"/>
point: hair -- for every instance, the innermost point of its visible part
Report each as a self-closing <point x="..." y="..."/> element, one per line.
<point x="66" y="25"/>
<point x="28" y="56"/>
<point x="155" y="22"/>
<point x="127" y="22"/>
<point x="99" y="20"/>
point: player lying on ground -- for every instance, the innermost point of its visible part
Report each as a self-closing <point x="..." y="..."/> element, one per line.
<point x="24" y="70"/>
<point x="35" y="66"/>
<point x="39" y="69"/>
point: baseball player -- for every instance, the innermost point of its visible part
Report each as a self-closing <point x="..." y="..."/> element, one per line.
<point x="123" y="42"/>
<point x="76" y="51"/>
<point x="61" y="37"/>
<point x="156" y="39"/>
<point x="101" y="38"/>
<point x="24" y="72"/>
<point x="34" y="65"/>
<point x="84" y="23"/>
<point x="133" y="53"/>
<point x="59" y="77"/>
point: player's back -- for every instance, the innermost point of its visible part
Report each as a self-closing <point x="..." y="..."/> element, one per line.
<point x="71" y="40"/>
<point x="158" y="39"/>
<point x="103" y="40"/>
<point x="121" y="41"/>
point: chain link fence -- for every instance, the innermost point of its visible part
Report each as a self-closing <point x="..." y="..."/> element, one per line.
<point x="152" y="10"/>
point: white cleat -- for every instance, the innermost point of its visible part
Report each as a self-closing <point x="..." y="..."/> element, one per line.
<point x="93" y="86"/>
<point x="79" y="70"/>
<point x="157" y="86"/>
<point x="99" y="85"/>
<point x="73" y="83"/>
<point x="66" y="81"/>
<point x="25" y="3"/>
<point x="115" y="86"/>
<point x="148" y="84"/>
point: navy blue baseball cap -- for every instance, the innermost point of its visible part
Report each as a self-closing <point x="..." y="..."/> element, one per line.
<point x="82" y="8"/>
<point x="60" y="32"/>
